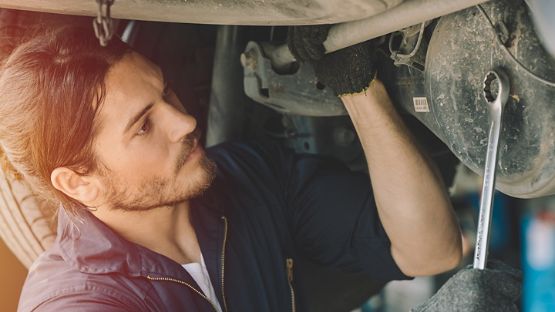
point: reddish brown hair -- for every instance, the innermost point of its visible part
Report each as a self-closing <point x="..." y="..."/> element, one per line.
<point x="51" y="88"/>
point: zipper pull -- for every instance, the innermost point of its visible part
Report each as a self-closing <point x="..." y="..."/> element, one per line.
<point x="289" y="266"/>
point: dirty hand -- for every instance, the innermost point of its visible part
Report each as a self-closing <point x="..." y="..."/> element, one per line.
<point x="495" y="289"/>
<point x="346" y="71"/>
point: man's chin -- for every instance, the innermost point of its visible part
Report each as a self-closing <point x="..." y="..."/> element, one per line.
<point x="209" y="174"/>
<point x="158" y="193"/>
<point x="199" y="179"/>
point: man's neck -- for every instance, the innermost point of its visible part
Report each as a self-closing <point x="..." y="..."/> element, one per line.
<point x="166" y="230"/>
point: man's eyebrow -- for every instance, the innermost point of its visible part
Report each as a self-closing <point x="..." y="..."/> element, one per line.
<point x="137" y="117"/>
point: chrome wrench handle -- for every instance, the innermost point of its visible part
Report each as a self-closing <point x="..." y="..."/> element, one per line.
<point x="495" y="109"/>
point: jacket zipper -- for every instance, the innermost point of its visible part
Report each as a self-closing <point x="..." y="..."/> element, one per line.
<point x="169" y="279"/>
<point x="289" y="266"/>
<point x="222" y="262"/>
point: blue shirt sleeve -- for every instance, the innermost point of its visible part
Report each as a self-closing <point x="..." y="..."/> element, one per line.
<point x="330" y="210"/>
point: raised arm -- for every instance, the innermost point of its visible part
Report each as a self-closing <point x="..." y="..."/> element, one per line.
<point x="410" y="196"/>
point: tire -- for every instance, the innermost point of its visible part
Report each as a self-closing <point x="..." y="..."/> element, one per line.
<point x="26" y="221"/>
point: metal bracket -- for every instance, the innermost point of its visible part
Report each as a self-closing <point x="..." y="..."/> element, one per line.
<point x="298" y="93"/>
<point x="416" y="57"/>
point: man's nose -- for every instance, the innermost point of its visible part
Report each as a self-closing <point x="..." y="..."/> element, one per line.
<point x="180" y="124"/>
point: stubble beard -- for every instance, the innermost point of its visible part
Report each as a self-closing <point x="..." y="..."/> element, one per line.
<point x="156" y="192"/>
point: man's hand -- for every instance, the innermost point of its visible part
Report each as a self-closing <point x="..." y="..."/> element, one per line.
<point x="495" y="289"/>
<point x="347" y="71"/>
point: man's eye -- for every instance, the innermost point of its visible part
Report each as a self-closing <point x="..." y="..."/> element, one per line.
<point x="145" y="128"/>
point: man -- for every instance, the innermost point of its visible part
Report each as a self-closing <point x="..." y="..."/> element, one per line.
<point x="151" y="223"/>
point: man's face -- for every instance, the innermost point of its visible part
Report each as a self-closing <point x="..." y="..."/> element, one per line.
<point x="147" y="146"/>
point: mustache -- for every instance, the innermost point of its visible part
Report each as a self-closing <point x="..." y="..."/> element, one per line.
<point x="189" y="143"/>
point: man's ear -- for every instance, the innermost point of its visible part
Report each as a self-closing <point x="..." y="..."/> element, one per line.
<point x="82" y="188"/>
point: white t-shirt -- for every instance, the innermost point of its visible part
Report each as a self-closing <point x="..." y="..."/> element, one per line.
<point x="199" y="273"/>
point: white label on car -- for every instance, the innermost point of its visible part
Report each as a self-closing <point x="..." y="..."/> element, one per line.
<point x="421" y="105"/>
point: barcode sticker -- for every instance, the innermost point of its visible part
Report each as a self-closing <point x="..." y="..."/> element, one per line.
<point x="421" y="105"/>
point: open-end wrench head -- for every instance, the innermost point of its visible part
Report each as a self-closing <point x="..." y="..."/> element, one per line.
<point x="503" y="87"/>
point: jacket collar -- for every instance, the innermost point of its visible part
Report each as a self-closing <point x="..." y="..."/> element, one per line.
<point x="89" y="245"/>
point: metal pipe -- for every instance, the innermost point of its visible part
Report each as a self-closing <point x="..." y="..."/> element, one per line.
<point x="408" y="13"/>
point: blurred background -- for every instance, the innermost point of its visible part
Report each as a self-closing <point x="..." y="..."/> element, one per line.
<point x="12" y="276"/>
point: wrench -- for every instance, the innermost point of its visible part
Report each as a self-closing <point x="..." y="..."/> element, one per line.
<point x="495" y="109"/>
